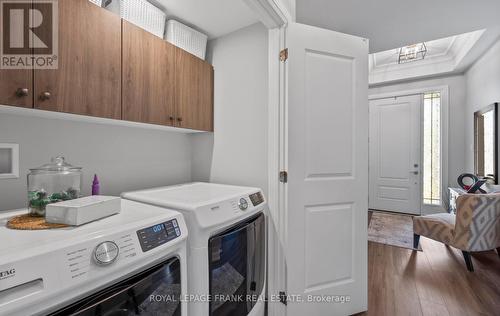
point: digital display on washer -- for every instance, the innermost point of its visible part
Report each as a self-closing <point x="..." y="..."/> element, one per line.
<point x="157" y="235"/>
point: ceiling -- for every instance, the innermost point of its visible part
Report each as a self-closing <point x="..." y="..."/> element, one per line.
<point x="214" y="18"/>
<point x="435" y="49"/>
<point x="395" y="23"/>
<point x="444" y="56"/>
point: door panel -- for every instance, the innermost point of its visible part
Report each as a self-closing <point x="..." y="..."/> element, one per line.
<point x="395" y="154"/>
<point x="88" y="79"/>
<point x="327" y="190"/>
<point x="148" y="77"/>
<point x="194" y="92"/>
<point x="323" y="157"/>
<point x="322" y="221"/>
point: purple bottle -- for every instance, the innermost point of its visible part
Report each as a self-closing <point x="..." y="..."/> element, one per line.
<point x="95" y="186"/>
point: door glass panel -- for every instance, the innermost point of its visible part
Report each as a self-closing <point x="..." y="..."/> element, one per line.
<point x="237" y="268"/>
<point x="432" y="149"/>
<point x="154" y="292"/>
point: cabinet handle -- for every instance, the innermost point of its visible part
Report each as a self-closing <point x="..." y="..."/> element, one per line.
<point x="179" y="119"/>
<point x="45" y="96"/>
<point x="171" y="118"/>
<point x="22" y="92"/>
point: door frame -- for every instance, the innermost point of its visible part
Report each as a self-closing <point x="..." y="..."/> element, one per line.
<point x="444" y="91"/>
<point x="275" y="16"/>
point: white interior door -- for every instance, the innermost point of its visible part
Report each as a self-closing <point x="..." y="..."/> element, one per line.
<point x="395" y="154"/>
<point x="327" y="153"/>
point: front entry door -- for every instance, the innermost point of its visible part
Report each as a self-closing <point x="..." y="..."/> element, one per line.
<point x="327" y="189"/>
<point x="395" y="154"/>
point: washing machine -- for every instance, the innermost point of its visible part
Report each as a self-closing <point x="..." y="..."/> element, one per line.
<point x="131" y="263"/>
<point x="226" y="245"/>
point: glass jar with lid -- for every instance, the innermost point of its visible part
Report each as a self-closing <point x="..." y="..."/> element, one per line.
<point x="53" y="182"/>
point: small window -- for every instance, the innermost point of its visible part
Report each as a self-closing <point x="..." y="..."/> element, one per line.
<point x="432" y="149"/>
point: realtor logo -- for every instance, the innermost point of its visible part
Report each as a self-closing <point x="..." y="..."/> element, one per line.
<point x="29" y="36"/>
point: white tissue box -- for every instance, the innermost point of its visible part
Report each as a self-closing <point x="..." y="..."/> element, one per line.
<point x="80" y="211"/>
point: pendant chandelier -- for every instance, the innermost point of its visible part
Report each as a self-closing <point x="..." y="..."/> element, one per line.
<point x="412" y="53"/>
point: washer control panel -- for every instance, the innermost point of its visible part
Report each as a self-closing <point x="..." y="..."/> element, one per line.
<point x="106" y="253"/>
<point x="157" y="235"/>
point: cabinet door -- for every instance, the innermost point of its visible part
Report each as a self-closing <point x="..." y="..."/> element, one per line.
<point x="194" y="92"/>
<point x="148" y="77"/>
<point x="88" y="78"/>
<point x="16" y="87"/>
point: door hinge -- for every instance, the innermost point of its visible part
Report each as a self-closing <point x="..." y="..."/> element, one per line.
<point x="282" y="296"/>
<point x="284" y="55"/>
<point x="284" y="176"/>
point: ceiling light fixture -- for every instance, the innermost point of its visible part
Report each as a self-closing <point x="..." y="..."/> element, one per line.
<point x="412" y="53"/>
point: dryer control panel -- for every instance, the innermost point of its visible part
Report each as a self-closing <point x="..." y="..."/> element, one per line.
<point x="257" y="198"/>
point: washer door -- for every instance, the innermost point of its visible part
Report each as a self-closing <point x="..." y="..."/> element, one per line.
<point x="237" y="268"/>
<point x="155" y="291"/>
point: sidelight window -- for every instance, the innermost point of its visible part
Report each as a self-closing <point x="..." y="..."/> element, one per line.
<point x="432" y="149"/>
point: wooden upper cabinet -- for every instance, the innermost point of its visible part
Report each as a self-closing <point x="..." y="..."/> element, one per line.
<point x="194" y="92"/>
<point x="16" y="87"/>
<point x="88" y="78"/>
<point x="113" y="69"/>
<point x="147" y="77"/>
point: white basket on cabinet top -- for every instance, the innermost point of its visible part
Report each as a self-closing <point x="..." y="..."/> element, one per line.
<point x="141" y="13"/>
<point x="96" y="2"/>
<point x="186" y="38"/>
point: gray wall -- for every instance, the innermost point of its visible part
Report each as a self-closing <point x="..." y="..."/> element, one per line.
<point x="237" y="152"/>
<point x="483" y="89"/>
<point x="456" y="111"/>
<point x="125" y="158"/>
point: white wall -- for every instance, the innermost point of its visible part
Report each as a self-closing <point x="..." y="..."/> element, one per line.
<point x="237" y="151"/>
<point x="457" y="97"/>
<point x="125" y="158"/>
<point x="483" y="89"/>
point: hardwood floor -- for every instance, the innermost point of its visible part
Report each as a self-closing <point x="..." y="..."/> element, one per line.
<point x="432" y="282"/>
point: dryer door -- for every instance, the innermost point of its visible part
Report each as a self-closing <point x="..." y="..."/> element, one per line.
<point x="237" y="268"/>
